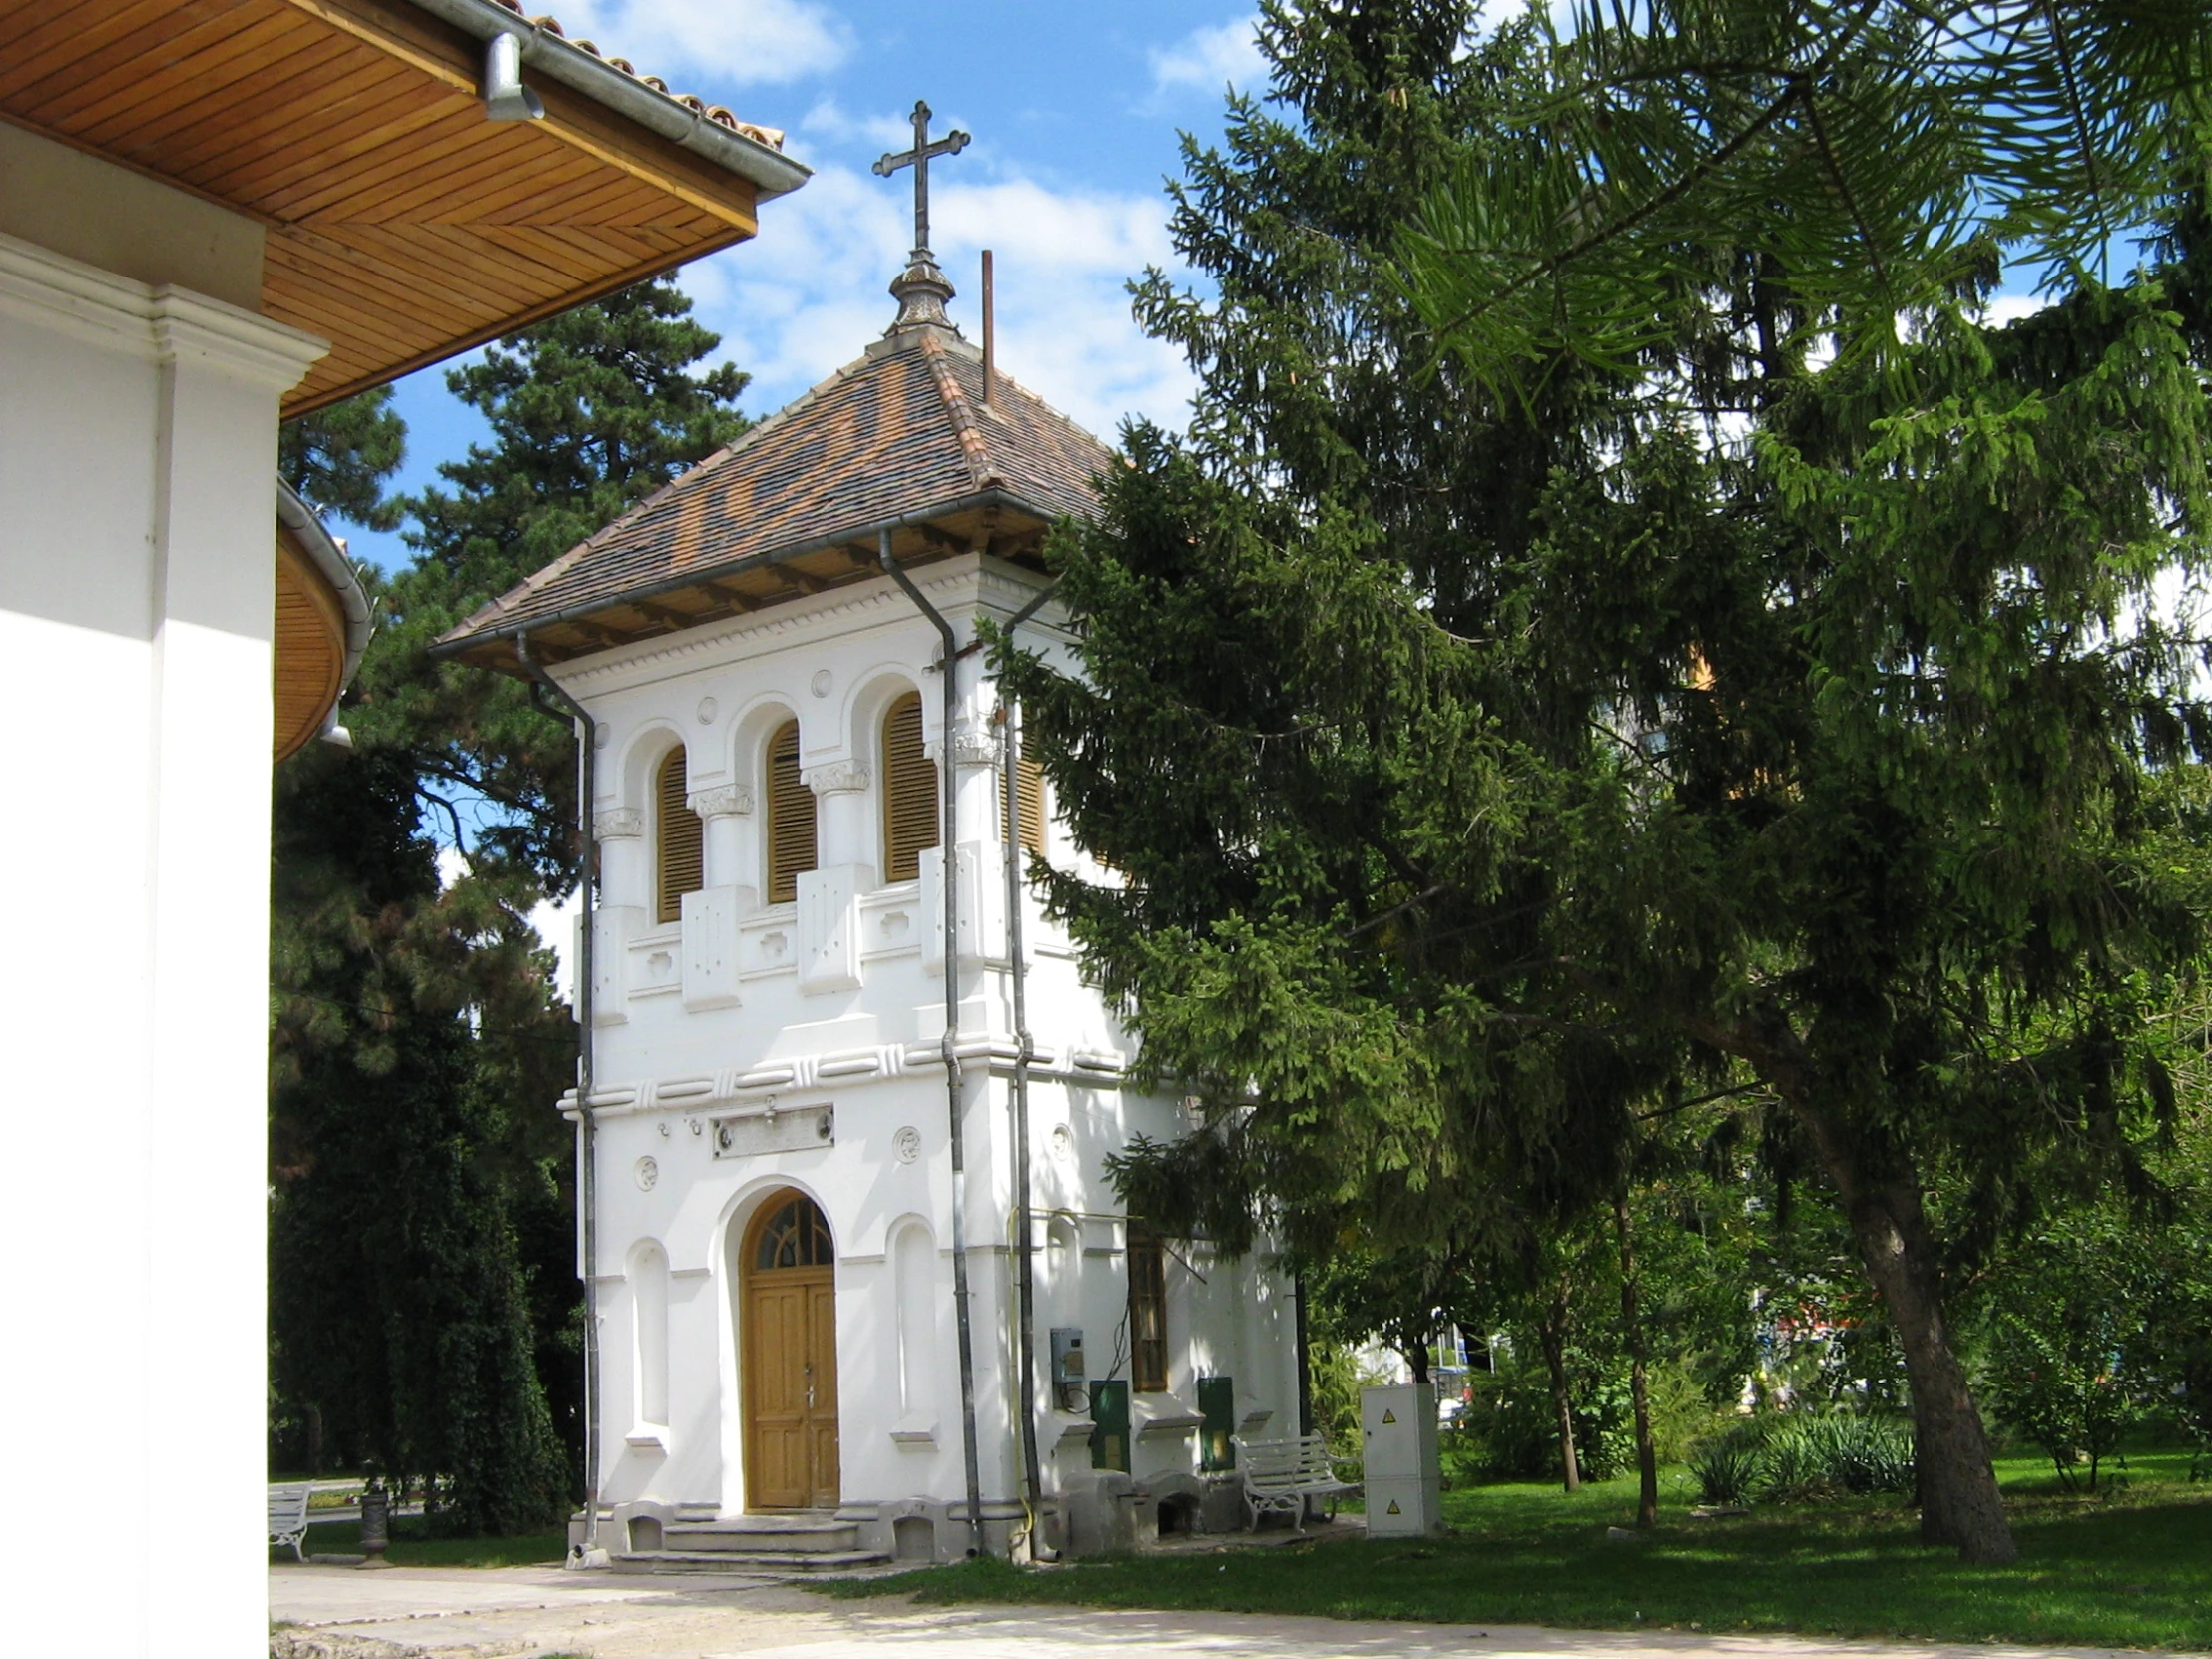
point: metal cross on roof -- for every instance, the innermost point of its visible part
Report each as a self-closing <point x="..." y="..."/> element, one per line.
<point x="918" y="159"/>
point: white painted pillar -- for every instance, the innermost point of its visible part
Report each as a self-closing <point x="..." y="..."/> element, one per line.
<point x="138" y="453"/>
<point x="625" y="862"/>
<point x="731" y="856"/>
<point x="847" y="827"/>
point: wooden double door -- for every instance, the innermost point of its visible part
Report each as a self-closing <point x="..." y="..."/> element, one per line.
<point x="789" y="1336"/>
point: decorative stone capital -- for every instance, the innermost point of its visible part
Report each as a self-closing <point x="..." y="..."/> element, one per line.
<point x="975" y="746"/>
<point x="725" y="801"/>
<point x="835" y="778"/>
<point x="618" y="824"/>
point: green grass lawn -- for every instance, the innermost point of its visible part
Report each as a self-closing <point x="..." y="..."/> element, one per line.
<point x="2128" y="1568"/>
<point x="412" y="1547"/>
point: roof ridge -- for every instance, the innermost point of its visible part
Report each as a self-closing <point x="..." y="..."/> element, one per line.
<point x="981" y="472"/>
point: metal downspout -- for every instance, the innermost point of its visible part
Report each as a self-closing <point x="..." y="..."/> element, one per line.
<point x="587" y="1127"/>
<point x="954" y="1084"/>
<point x="1009" y="738"/>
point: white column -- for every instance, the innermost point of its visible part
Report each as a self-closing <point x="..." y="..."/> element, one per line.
<point x="137" y="450"/>
<point x="848" y="829"/>
<point x="731" y="856"/>
<point x="625" y="868"/>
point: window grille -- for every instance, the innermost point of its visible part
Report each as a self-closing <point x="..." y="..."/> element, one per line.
<point x="909" y="791"/>
<point x="791" y="818"/>
<point x="679" y="835"/>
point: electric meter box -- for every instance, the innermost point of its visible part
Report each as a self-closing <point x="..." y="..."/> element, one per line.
<point x="1398" y="1433"/>
<point x="1069" y="1382"/>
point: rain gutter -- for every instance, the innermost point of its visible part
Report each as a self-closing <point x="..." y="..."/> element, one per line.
<point x="1025" y="1050"/>
<point x="770" y="171"/>
<point x="701" y="575"/>
<point x="955" y="1084"/>
<point x="586" y="1126"/>
<point x="332" y="564"/>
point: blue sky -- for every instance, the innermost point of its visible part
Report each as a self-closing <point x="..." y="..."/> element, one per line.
<point x="1075" y="112"/>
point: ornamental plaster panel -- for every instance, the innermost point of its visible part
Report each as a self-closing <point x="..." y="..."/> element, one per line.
<point x="618" y="824"/>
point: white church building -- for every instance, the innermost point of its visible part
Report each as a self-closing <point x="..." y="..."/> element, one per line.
<point x="781" y="1227"/>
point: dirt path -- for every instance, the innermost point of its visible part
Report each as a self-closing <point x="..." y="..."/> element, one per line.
<point x="534" y="1613"/>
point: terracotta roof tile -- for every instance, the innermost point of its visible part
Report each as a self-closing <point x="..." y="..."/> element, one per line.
<point x="900" y="435"/>
<point x="772" y="137"/>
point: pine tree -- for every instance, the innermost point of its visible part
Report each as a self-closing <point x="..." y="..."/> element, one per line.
<point x="1490" y="748"/>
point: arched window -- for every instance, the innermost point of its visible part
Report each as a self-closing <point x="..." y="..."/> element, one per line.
<point x="795" y="1235"/>
<point x="649" y="1305"/>
<point x="791" y="817"/>
<point x="678" y="836"/>
<point x="914" y="1260"/>
<point x="909" y="791"/>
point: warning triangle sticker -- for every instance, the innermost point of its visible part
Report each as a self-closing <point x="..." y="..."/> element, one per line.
<point x="1392" y="1509"/>
<point x="1390" y="1417"/>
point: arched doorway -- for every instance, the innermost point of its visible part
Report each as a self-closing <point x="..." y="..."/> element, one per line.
<point x="788" y="1334"/>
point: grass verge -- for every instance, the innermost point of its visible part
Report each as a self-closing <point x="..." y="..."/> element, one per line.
<point x="411" y="1546"/>
<point x="2131" y="1567"/>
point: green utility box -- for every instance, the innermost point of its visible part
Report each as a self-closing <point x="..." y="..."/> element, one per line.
<point x="1217" y="1404"/>
<point x="1110" y="1416"/>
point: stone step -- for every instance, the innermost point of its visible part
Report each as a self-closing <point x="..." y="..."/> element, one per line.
<point x="746" y="1561"/>
<point x="743" y="1536"/>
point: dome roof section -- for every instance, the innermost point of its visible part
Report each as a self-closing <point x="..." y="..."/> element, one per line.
<point x="900" y="440"/>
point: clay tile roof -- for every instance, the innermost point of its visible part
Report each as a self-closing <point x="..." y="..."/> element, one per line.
<point x="899" y="435"/>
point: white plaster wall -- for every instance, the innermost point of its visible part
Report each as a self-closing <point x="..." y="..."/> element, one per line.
<point x="138" y="432"/>
<point x="671" y="1059"/>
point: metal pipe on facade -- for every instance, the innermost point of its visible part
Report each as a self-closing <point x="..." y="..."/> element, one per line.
<point x="990" y="331"/>
<point x="948" y="669"/>
<point x="1009" y="740"/>
<point x="587" y="1128"/>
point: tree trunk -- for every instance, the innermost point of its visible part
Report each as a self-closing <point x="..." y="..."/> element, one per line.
<point x="1552" y="1332"/>
<point x="1632" y="1325"/>
<point x="1959" y="1503"/>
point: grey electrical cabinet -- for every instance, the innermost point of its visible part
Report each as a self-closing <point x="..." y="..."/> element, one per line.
<point x="1070" y="1384"/>
<point x="1398" y="1431"/>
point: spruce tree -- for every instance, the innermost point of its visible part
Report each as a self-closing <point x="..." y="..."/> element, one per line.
<point x="1489" y="746"/>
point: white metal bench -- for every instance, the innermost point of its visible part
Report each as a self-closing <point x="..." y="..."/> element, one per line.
<point x="288" y="1518"/>
<point x="1281" y="1475"/>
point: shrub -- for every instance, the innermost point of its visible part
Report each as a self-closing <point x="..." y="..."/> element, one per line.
<point x="1793" y="1456"/>
<point x="1726" y="1471"/>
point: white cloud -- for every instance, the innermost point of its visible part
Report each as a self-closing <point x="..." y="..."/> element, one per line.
<point x="712" y="41"/>
<point x="1207" y="59"/>
<point x="811" y="292"/>
<point x="830" y="120"/>
<point x="2003" y="309"/>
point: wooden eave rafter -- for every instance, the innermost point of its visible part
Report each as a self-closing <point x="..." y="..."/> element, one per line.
<point x="562" y="639"/>
<point x="400" y="224"/>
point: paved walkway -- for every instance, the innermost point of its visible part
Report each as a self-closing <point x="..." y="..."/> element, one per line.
<point x="458" y="1613"/>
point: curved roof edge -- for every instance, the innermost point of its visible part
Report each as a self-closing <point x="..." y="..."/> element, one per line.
<point x="332" y="566"/>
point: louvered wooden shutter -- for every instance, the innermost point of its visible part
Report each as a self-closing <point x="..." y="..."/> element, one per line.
<point x="679" y="835"/>
<point x="791" y="818"/>
<point x="909" y="791"/>
<point x="1148" y="1311"/>
<point x="1028" y="802"/>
